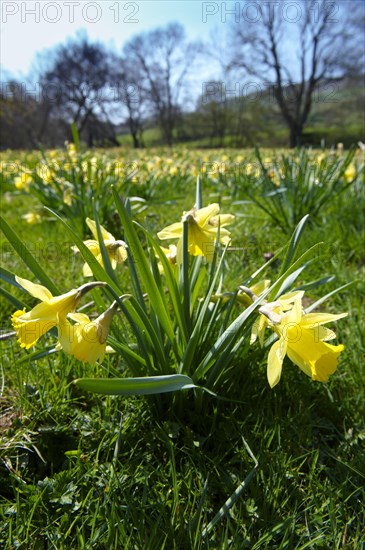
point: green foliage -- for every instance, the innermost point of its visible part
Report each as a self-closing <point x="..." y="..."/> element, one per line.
<point x="172" y="470"/>
<point x="290" y="188"/>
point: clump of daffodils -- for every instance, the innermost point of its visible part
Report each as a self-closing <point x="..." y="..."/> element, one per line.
<point x="300" y="336"/>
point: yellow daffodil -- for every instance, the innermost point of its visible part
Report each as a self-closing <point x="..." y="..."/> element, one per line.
<point x="32" y="218"/>
<point x="71" y="150"/>
<point x="304" y="340"/>
<point x="86" y="339"/>
<point x="247" y="295"/>
<point x="170" y="254"/>
<point x="273" y="312"/>
<point x="68" y="194"/>
<point x="22" y="182"/>
<point x="202" y="231"/>
<point x="45" y="173"/>
<point x="117" y="250"/>
<point x="350" y="172"/>
<point x="30" y="326"/>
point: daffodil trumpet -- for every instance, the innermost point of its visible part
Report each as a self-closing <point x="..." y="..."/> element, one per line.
<point x="85" y="339"/>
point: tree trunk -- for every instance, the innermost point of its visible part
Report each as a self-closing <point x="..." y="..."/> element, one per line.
<point x="135" y="140"/>
<point x="295" y="136"/>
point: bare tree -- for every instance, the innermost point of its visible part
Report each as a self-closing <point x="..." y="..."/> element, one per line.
<point x="25" y="120"/>
<point x="129" y="97"/>
<point x="162" y="58"/>
<point x="76" y="85"/>
<point x="294" y="48"/>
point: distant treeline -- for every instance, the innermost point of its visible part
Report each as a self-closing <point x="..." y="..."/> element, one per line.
<point x="148" y="92"/>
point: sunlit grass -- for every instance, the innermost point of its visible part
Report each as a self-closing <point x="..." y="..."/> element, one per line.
<point x="83" y="471"/>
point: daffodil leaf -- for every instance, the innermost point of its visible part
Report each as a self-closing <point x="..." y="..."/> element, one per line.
<point x="324" y="298"/>
<point x="184" y="273"/>
<point x="293" y="243"/>
<point x="34" y="356"/>
<point x="75" y="135"/>
<point x="104" y="253"/>
<point x="98" y="271"/>
<point x="16" y="303"/>
<point x="311" y="255"/>
<point x="198" y="194"/>
<point x="138" y="255"/>
<point x="171" y="283"/>
<point x="316" y="283"/>
<point x="149" y="385"/>
<point x="202" y="322"/>
<point x="222" y="348"/>
<point x="27" y="257"/>
<point x="9" y="277"/>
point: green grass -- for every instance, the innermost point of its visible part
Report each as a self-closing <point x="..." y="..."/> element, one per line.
<point x="84" y="471"/>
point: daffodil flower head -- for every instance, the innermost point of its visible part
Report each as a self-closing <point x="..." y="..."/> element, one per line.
<point x="23" y="182"/>
<point x="85" y="339"/>
<point x="247" y="295"/>
<point x="304" y="340"/>
<point x="272" y="312"/>
<point x="203" y="227"/>
<point x="32" y="218"/>
<point x="116" y="250"/>
<point x="30" y="326"/>
<point x="170" y="254"/>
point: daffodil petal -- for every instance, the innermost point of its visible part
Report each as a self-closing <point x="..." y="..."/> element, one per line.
<point x="38" y="291"/>
<point x="312" y="319"/>
<point x="226" y="219"/>
<point x="260" y="287"/>
<point x="275" y="362"/>
<point x="86" y="271"/>
<point x="93" y="246"/>
<point x="294" y="316"/>
<point x="31" y="325"/>
<point x="291" y="297"/>
<point x="254" y="331"/>
<point x="65" y="330"/>
<point x="203" y="215"/>
<point x="79" y="317"/>
<point x="324" y="334"/>
<point x="173" y="231"/>
<point x="119" y="254"/>
<point x="105" y="234"/>
<point x="263" y="322"/>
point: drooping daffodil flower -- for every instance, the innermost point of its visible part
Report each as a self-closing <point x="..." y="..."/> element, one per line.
<point x="85" y="339"/>
<point x="273" y="312"/>
<point x="116" y="249"/>
<point x="203" y="225"/>
<point x="304" y="340"/>
<point x="31" y="325"/>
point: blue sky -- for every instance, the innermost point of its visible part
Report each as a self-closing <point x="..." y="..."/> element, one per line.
<point x="29" y="27"/>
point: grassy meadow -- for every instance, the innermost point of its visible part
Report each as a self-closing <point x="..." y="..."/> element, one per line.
<point x="238" y="464"/>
